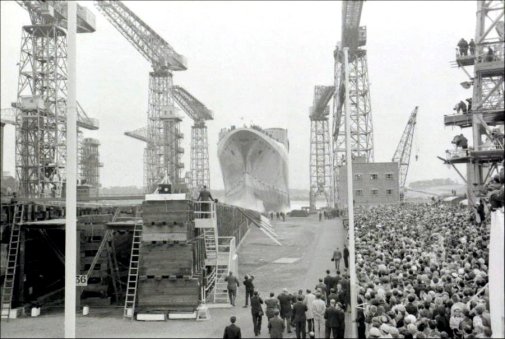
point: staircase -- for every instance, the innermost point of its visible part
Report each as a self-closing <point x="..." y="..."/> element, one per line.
<point x="12" y="258"/>
<point x="220" y="294"/>
<point x="133" y="272"/>
<point x="210" y="238"/>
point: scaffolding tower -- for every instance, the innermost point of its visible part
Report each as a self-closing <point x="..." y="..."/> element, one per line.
<point x="485" y="114"/>
<point x="362" y="144"/>
<point x="320" y="151"/>
<point x="90" y="162"/>
<point x="41" y="98"/>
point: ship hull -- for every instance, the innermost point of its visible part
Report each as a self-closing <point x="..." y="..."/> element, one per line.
<point x="255" y="170"/>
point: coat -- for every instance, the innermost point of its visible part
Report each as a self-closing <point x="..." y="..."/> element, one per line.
<point x="232" y="282"/>
<point x="276" y="327"/>
<point x="232" y="332"/>
<point x="285" y="304"/>
<point x="256" y="305"/>
<point x="331" y="316"/>
<point x="272" y="305"/>
<point x="248" y="283"/>
<point x="299" y="310"/>
<point x="309" y="300"/>
<point x="318" y="309"/>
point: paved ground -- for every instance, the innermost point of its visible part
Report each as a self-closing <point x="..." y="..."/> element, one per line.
<point x="308" y="239"/>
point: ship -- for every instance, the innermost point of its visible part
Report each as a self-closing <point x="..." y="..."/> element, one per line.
<point x="254" y="165"/>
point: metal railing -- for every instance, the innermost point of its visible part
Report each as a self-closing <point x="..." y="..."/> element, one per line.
<point x="205" y="209"/>
<point x="461" y="153"/>
<point x="481" y="53"/>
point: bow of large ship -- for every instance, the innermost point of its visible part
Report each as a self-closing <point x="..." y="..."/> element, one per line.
<point x="254" y="164"/>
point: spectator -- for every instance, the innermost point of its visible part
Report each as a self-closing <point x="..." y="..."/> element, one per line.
<point x="249" y="288"/>
<point x="332" y="320"/>
<point x="276" y="326"/>
<point x="232" y="287"/>
<point x="285" y="302"/>
<point x="318" y="309"/>
<point x="257" y="312"/>
<point x="272" y="305"/>
<point x="299" y="310"/>
<point x="232" y="331"/>
<point x="309" y="300"/>
<point x="337" y="256"/>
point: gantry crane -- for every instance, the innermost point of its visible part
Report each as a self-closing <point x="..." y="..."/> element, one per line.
<point x="484" y="157"/>
<point x="197" y="111"/>
<point x="354" y="38"/>
<point x="320" y="152"/>
<point x="41" y="98"/>
<point x="404" y="148"/>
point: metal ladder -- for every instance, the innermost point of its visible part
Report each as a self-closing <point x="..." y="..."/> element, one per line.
<point x="12" y="258"/>
<point x="133" y="272"/>
<point x="210" y="238"/>
<point x="221" y="286"/>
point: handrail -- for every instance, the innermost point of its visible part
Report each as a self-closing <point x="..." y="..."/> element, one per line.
<point x="201" y="213"/>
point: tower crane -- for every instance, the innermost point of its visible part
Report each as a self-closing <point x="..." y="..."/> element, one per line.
<point x="404" y="148"/>
<point x="320" y="151"/>
<point x="354" y="38"/>
<point x="162" y="156"/>
<point x="197" y="111"/>
<point x="41" y="97"/>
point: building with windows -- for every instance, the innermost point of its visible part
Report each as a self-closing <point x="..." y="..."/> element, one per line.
<point x="373" y="183"/>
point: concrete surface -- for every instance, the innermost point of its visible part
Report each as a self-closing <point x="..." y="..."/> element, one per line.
<point x="305" y="238"/>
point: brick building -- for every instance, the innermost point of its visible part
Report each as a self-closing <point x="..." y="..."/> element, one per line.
<point x="374" y="183"/>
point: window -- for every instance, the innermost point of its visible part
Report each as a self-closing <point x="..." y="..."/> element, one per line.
<point x="374" y="176"/>
<point x="389" y="176"/>
<point x="375" y="192"/>
<point x="389" y="192"/>
<point x="359" y="193"/>
<point x="358" y="176"/>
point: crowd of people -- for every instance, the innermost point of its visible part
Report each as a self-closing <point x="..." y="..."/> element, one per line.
<point x="318" y="312"/>
<point x="422" y="272"/>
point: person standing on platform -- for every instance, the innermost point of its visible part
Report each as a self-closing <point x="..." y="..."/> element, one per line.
<point x="463" y="47"/>
<point x="232" y="331"/>
<point x="322" y="288"/>
<point x="299" y="310"/>
<point x="285" y="302"/>
<point x="328" y="281"/>
<point x="232" y="287"/>
<point x="276" y="326"/>
<point x="205" y="196"/>
<point x="340" y="321"/>
<point x="318" y="309"/>
<point x="346" y="257"/>
<point x="471" y="46"/>
<point x="337" y="256"/>
<point x="331" y="316"/>
<point x="257" y="312"/>
<point x="249" y="288"/>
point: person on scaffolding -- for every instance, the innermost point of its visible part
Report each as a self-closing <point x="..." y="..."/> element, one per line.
<point x="471" y="45"/>
<point x="205" y="196"/>
<point x="463" y="47"/>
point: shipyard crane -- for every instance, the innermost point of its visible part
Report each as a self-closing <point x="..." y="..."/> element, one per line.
<point x="197" y="111"/>
<point x="7" y="117"/>
<point x="320" y="151"/>
<point x="162" y="155"/>
<point x="41" y="98"/>
<point x="404" y="148"/>
<point x="354" y="38"/>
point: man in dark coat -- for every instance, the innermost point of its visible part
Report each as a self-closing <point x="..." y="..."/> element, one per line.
<point x="257" y="312"/>
<point x="205" y="196"/>
<point x="276" y="326"/>
<point x="232" y="287"/>
<point x="300" y="319"/>
<point x="332" y="322"/>
<point x="272" y="304"/>
<point x="346" y="257"/>
<point x="249" y="288"/>
<point x="333" y="295"/>
<point x="232" y="331"/>
<point x="285" y="301"/>
<point x="328" y="281"/>
<point x="340" y="321"/>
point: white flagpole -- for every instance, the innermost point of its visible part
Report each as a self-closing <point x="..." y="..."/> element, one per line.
<point x="71" y="175"/>
<point x="350" y="197"/>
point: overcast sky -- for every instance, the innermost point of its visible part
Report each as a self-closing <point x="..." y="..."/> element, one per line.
<point x="258" y="62"/>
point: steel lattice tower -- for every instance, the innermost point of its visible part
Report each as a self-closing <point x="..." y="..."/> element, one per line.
<point x="90" y="162"/>
<point x="488" y="91"/>
<point x="362" y="144"/>
<point x="200" y="175"/>
<point x="320" y="150"/>
<point x="163" y="151"/>
<point x="41" y="99"/>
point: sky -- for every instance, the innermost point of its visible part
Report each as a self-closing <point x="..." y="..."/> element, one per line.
<point x="258" y="62"/>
